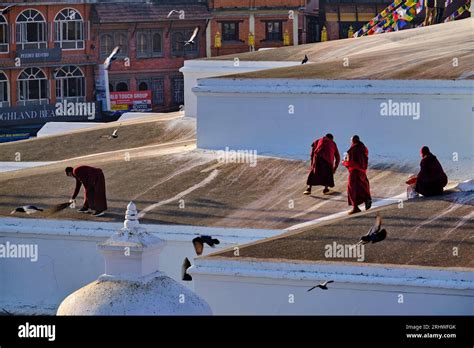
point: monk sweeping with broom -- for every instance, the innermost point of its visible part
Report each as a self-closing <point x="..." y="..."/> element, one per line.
<point x="93" y="179"/>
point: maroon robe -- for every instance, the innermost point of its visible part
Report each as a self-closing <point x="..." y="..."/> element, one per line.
<point x="324" y="161"/>
<point x="358" y="188"/>
<point x="431" y="179"/>
<point x="94" y="187"/>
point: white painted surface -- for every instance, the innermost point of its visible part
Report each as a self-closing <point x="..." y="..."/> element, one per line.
<point x="11" y="166"/>
<point x="68" y="257"/>
<point x="246" y="287"/>
<point x="138" y="115"/>
<point x="157" y="294"/>
<point x="254" y="114"/>
<point x="54" y="128"/>
<point x="466" y="186"/>
<point x="197" y="69"/>
<point x="133" y="283"/>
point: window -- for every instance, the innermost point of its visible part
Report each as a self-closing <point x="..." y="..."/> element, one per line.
<point x="121" y="39"/>
<point x="177" y="43"/>
<point x="273" y="31"/>
<point x="143" y="86"/>
<point x="32" y="87"/>
<point x="122" y="87"/>
<point x="4" y="95"/>
<point x="70" y="83"/>
<point x="106" y="45"/>
<point x="119" y="85"/>
<point x="31" y="30"/>
<point x="3" y="35"/>
<point x="157" y="48"/>
<point x="158" y="91"/>
<point x="69" y="29"/>
<point x="178" y="90"/>
<point x="110" y="40"/>
<point x="142" y="44"/>
<point x="230" y="31"/>
<point x="149" y="44"/>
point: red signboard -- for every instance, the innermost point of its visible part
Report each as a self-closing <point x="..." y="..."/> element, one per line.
<point x="131" y="101"/>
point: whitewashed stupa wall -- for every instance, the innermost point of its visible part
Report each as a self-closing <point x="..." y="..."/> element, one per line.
<point x="283" y="117"/>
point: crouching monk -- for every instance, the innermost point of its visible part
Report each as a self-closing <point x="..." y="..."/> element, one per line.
<point x="358" y="188"/>
<point x="431" y="179"/>
<point x="324" y="161"/>
<point x="94" y="188"/>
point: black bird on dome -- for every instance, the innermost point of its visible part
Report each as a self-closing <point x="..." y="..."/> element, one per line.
<point x="322" y="286"/>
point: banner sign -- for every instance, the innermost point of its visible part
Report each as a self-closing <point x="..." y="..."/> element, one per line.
<point x="7" y="135"/>
<point x="39" y="55"/>
<point x="36" y="114"/>
<point x="139" y="101"/>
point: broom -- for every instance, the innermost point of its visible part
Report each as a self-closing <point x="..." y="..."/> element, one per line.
<point x="57" y="208"/>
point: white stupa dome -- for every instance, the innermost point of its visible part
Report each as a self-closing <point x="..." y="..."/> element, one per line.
<point x="133" y="285"/>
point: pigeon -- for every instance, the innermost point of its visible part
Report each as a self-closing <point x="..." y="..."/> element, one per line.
<point x="305" y="60"/>
<point x="5" y="10"/>
<point x="171" y="13"/>
<point x="198" y="243"/>
<point x="184" y="270"/>
<point x="322" y="286"/>
<point x="376" y="233"/>
<point x="191" y="40"/>
<point x="114" y="135"/>
<point x="111" y="57"/>
<point x="28" y="209"/>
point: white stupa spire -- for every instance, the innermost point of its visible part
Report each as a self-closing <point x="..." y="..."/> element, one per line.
<point x="131" y="218"/>
<point x="132" y="283"/>
<point x="131" y="251"/>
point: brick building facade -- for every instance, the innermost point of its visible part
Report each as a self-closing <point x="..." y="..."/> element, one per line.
<point x="272" y="23"/>
<point x="63" y="63"/>
<point x="339" y="15"/>
<point x="152" y="45"/>
<point x="50" y="50"/>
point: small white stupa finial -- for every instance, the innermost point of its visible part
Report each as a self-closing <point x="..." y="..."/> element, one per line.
<point x="131" y="217"/>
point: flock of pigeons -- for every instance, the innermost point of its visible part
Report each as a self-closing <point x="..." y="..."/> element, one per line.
<point x="375" y="234"/>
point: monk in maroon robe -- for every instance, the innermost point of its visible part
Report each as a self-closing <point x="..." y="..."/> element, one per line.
<point x="94" y="188"/>
<point x="324" y="162"/>
<point x="358" y="188"/>
<point x="431" y="179"/>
